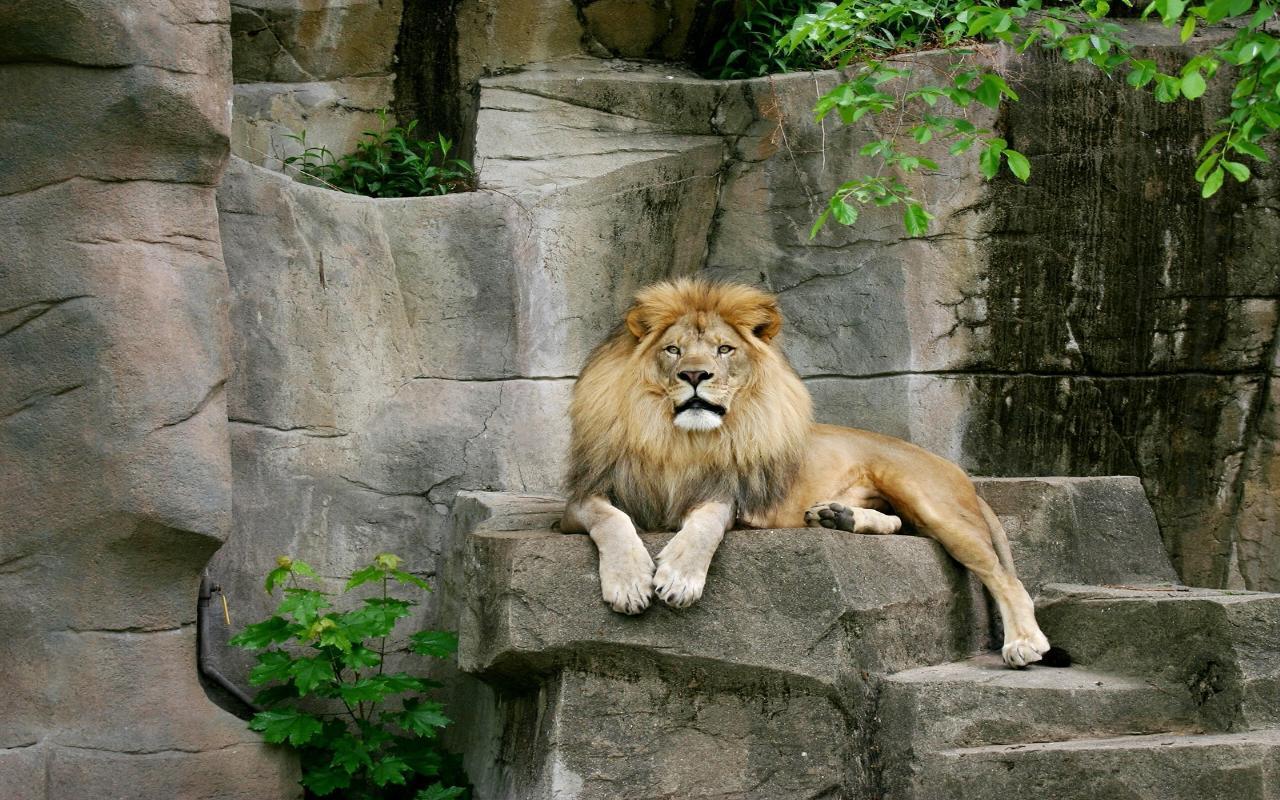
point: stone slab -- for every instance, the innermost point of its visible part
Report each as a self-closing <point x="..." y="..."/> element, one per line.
<point x="1217" y="647"/>
<point x="1243" y="766"/>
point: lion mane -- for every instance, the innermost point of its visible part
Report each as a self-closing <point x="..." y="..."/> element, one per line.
<point x="624" y="446"/>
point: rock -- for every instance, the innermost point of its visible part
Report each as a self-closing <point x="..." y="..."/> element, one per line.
<point x="284" y="40"/>
<point x="113" y="420"/>
<point x="819" y="663"/>
<point x="330" y="113"/>
<point x="1214" y="646"/>
<point x="1160" y="767"/>
<point x="1095" y="530"/>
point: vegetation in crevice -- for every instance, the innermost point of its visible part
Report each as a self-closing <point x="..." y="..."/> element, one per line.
<point x="389" y="162"/>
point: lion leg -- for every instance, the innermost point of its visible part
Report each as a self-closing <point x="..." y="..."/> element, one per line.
<point x="964" y="531"/>
<point x="626" y="570"/>
<point x="683" y="563"/>
<point x="846" y="515"/>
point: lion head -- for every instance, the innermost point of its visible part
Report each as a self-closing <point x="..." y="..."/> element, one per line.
<point x="690" y="399"/>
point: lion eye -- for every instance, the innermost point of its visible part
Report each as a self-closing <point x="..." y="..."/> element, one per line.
<point x="725" y="349"/>
<point x="672" y="349"/>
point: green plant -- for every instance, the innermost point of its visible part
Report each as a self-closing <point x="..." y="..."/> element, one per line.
<point x="749" y="47"/>
<point x="386" y="163"/>
<point x="867" y="33"/>
<point x="377" y="737"/>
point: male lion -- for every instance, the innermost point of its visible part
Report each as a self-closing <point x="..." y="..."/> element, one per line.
<point x="688" y="417"/>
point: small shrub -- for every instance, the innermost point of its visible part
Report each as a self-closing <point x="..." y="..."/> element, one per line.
<point x="386" y="163"/>
<point x="749" y="47"/>
<point x="379" y="741"/>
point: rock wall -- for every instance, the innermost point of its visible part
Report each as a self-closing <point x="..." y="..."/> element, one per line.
<point x="116" y="485"/>
<point x="391" y="353"/>
<point x="1100" y="319"/>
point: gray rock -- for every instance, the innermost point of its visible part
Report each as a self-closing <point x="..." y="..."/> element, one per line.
<point x="1161" y="767"/>
<point x="332" y="114"/>
<point x="113" y="417"/>
<point x="1078" y="530"/>
<point x="285" y="40"/>
<point x="1214" y="646"/>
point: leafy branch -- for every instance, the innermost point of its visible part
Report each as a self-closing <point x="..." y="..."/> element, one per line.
<point x="364" y="745"/>
<point x="871" y="35"/>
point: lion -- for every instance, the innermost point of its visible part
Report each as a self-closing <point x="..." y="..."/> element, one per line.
<point x="688" y="417"/>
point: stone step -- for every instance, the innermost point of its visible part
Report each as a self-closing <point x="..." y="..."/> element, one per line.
<point x="1213" y="647"/>
<point x="1236" y="766"/>
<point x="980" y="701"/>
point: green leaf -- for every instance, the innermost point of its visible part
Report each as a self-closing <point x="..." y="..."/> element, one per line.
<point x="408" y="578"/>
<point x="350" y="753"/>
<point x="818" y="223"/>
<point x="1188" y="29"/>
<point x="1018" y="164"/>
<point x="308" y="673"/>
<point x="1212" y="183"/>
<point x="437" y="791"/>
<point x="276" y="577"/>
<point x="844" y="213"/>
<point x="1238" y="171"/>
<point x="388" y="769"/>
<point x="273" y="665"/>
<point x="1193" y="85"/>
<point x="273" y="630"/>
<point x="326" y="781"/>
<point x="1249" y="148"/>
<point x="302" y="568"/>
<point x="363" y="576"/>
<point x="303" y="604"/>
<point x="422" y="717"/>
<point x="277" y="726"/>
<point x="916" y="219"/>
<point x="359" y="657"/>
<point x="989" y="162"/>
<point x="442" y="644"/>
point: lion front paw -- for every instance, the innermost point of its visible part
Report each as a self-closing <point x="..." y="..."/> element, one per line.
<point x="681" y="575"/>
<point x="626" y="579"/>
<point x="1025" y="650"/>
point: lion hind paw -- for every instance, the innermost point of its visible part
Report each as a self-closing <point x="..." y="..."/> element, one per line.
<point x="838" y="516"/>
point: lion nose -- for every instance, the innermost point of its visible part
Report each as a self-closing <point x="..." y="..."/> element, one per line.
<point x="694" y="377"/>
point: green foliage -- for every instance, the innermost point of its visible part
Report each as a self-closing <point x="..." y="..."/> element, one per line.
<point x="381" y="743"/>
<point x="749" y="47"/>
<point x="386" y="163"/>
<point x="867" y="33"/>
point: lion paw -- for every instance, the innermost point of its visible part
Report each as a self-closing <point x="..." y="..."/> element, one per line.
<point x="626" y="580"/>
<point x="854" y="520"/>
<point x="1024" y="650"/>
<point x="681" y="575"/>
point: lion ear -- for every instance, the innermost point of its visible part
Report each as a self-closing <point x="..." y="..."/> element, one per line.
<point x="767" y="321"/>
<point x="636" y="322"/>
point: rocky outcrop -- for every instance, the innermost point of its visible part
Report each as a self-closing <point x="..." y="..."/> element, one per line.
<point x="113" y="423"/>
<point x="825" y="664"/>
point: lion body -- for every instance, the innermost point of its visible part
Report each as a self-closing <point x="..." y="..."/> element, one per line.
<point x="755" y="457"/>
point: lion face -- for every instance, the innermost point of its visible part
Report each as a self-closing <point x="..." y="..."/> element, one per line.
<point x="703" y="362"/>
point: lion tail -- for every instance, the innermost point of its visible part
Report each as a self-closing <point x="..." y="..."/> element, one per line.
<point x="998" y="538"/>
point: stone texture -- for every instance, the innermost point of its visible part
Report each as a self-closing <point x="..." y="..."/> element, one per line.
<point x="849" y="675"/>
<point x="1215" y="646"/>
<point x="113" y="423"/>
<point x="1079" y="530"/>
<point x="1161" y="767"/>
<point x="330" y="113"/>
<point x="287" y="40"/>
